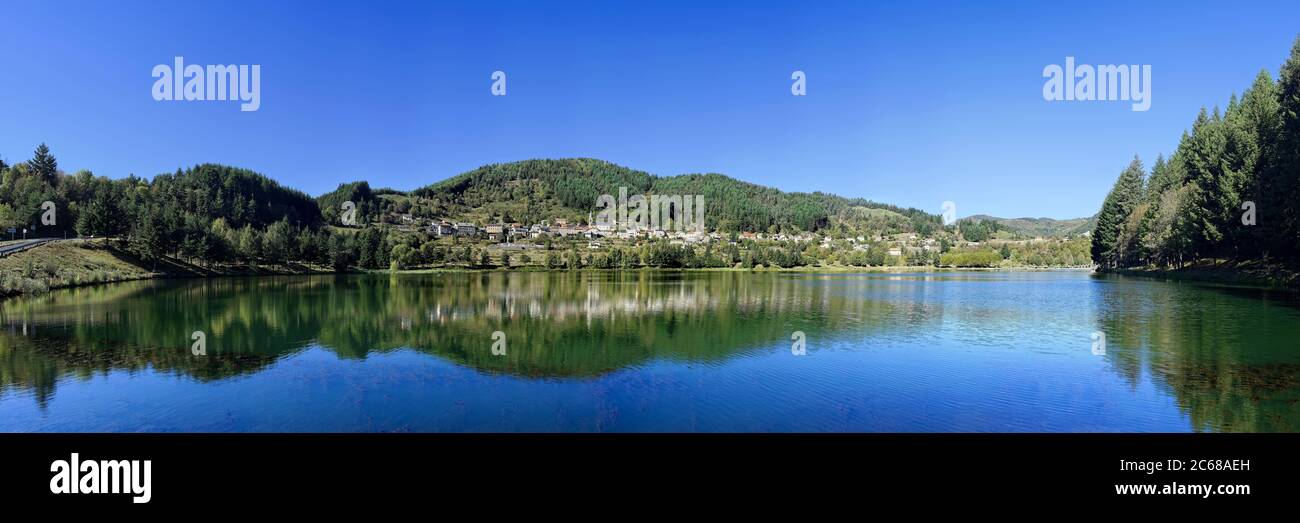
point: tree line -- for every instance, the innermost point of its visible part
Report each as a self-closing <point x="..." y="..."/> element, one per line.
<point x="1229" y="191"/>
<point x="205" y="214"/>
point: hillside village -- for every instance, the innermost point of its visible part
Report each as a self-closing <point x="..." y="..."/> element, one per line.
<point x="499" y="239"/>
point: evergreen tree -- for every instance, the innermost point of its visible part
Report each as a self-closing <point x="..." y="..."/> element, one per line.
<point x="1251" y="131"/>
<point x="147" y="236"/>
<point x="341" y="254"/>
<point x="1162" y="178"/>
<point x="1213" y="192"/>
<point x="44" y="165"/>
<point x="1115" y="210"/>
<point x="101" y="216"/>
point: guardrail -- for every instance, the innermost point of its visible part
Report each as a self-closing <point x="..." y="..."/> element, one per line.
<point x="6" y="250"/>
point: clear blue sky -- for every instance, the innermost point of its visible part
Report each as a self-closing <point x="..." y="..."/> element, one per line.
<point x="911" y="103"/>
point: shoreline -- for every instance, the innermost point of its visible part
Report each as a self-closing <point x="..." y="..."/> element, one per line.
<point x="304" y="270"/>
<point x="812" y="270"/>
<point x="1252" y="274"/>
<point x="1233" y="275"/>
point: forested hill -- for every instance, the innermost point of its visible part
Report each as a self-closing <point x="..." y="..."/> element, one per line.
<point x="534" y="190"/>
<point x="1041" y="227"/>
<point x="190" y="204"/>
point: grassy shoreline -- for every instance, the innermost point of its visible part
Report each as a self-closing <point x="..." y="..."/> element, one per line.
<point x="81" y="263"/>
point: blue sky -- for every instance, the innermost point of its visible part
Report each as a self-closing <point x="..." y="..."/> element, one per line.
<point x="911" y="103"/>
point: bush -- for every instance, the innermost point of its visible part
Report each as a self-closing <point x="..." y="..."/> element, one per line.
<point x="22" y="285"/>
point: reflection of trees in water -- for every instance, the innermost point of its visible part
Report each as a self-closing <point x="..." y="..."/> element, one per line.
<point x="562" y="325"/>
<point x="35" y="363"/>
<point x="1228" y="356"/>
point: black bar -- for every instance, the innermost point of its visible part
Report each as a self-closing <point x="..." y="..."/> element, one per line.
<point x="226" y="471"/>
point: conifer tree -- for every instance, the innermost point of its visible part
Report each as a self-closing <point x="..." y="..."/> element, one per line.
<point x="44" y="165"/>
<point x="1115" y="210"/>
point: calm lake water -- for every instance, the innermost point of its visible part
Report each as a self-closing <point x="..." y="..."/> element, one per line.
<point x="653" y="351"/>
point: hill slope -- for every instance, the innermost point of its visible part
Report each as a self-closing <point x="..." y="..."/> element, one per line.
<point x="1041" y="227"/>
<point x="535" y="190"/>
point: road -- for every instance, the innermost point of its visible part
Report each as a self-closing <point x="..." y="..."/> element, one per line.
<point x="22" y="245"/>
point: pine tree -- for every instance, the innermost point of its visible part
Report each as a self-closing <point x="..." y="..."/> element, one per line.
<point x="1213" y="193"/>
<point x="44" y="165"/>
<point x="101" y="216"/>
<point x="1251" y="133"/>
<point x="146" y="238"/>
<point x="1160" y="180"/>
<point x="1115" y="210"/>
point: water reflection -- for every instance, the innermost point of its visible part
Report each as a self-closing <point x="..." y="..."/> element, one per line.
<point x="1229" y="356"/>
<point x="946" y="351"/>
<point x="558" y="325"/>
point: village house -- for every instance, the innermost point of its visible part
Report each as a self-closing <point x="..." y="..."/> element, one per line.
<point x="442" y="228"/>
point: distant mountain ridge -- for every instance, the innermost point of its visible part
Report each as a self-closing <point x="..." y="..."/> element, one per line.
<point x="1041" y="227"/>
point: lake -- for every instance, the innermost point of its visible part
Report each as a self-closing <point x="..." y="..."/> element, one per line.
<point x="653" y="351"/>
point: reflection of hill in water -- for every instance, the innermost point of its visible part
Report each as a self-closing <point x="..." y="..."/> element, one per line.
<point x="1228" y="356"/>
<point x="558" y="325"/>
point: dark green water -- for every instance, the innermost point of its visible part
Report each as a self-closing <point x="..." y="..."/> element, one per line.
<point x="653" y="351"/>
